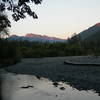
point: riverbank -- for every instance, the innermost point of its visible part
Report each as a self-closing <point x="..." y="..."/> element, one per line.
<point x="80" y="77"/>
<point x="83" y="60"/>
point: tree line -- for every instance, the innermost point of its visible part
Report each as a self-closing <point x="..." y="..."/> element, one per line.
<point x="12" y="52"/>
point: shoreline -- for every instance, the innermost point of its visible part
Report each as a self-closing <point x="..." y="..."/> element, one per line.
<point x="83" y="61"/>
<point x="79" y="77"/>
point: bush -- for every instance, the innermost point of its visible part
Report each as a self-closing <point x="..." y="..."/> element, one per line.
<point x="9" y="54"/>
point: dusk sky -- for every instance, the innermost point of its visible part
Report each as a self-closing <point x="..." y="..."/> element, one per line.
<point x="59" y="18"/>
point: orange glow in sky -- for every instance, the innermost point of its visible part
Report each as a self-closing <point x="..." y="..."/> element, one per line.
<point x="59" y="18"/>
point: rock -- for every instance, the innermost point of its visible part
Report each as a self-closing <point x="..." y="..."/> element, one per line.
<point x="25" y="87"/>
<point x="55" y="84"/>
<point x="38" y="77"/>
<point x="62" y="88"/>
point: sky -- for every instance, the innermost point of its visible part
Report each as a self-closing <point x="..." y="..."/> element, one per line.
<point x="59" y="18"/>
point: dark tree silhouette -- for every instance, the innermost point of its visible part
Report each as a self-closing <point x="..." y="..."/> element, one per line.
<point x="19" y="8"/>
<point x="4" y="24"/>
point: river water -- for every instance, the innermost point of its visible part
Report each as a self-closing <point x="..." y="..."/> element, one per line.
<point x="29" y="87"/>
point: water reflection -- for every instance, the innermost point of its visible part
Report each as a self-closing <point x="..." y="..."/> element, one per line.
<point x="29" y="87"/>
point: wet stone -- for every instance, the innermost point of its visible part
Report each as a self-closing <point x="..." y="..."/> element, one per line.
<point x="26" y="87"/>
<point x="55" y="84"/>
<point x="62" y="88"/>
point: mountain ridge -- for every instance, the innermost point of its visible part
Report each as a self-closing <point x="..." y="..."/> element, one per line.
<point x="90" y="31"/>
<point x="36" y="37"/>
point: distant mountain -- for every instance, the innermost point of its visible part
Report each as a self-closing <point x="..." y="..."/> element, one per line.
<point x="34" y="37"/>
<point x="90" y="33"/>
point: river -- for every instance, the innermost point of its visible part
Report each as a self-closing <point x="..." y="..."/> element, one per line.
<point x="29" y="87"/>
<point x="50" y="79"/>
